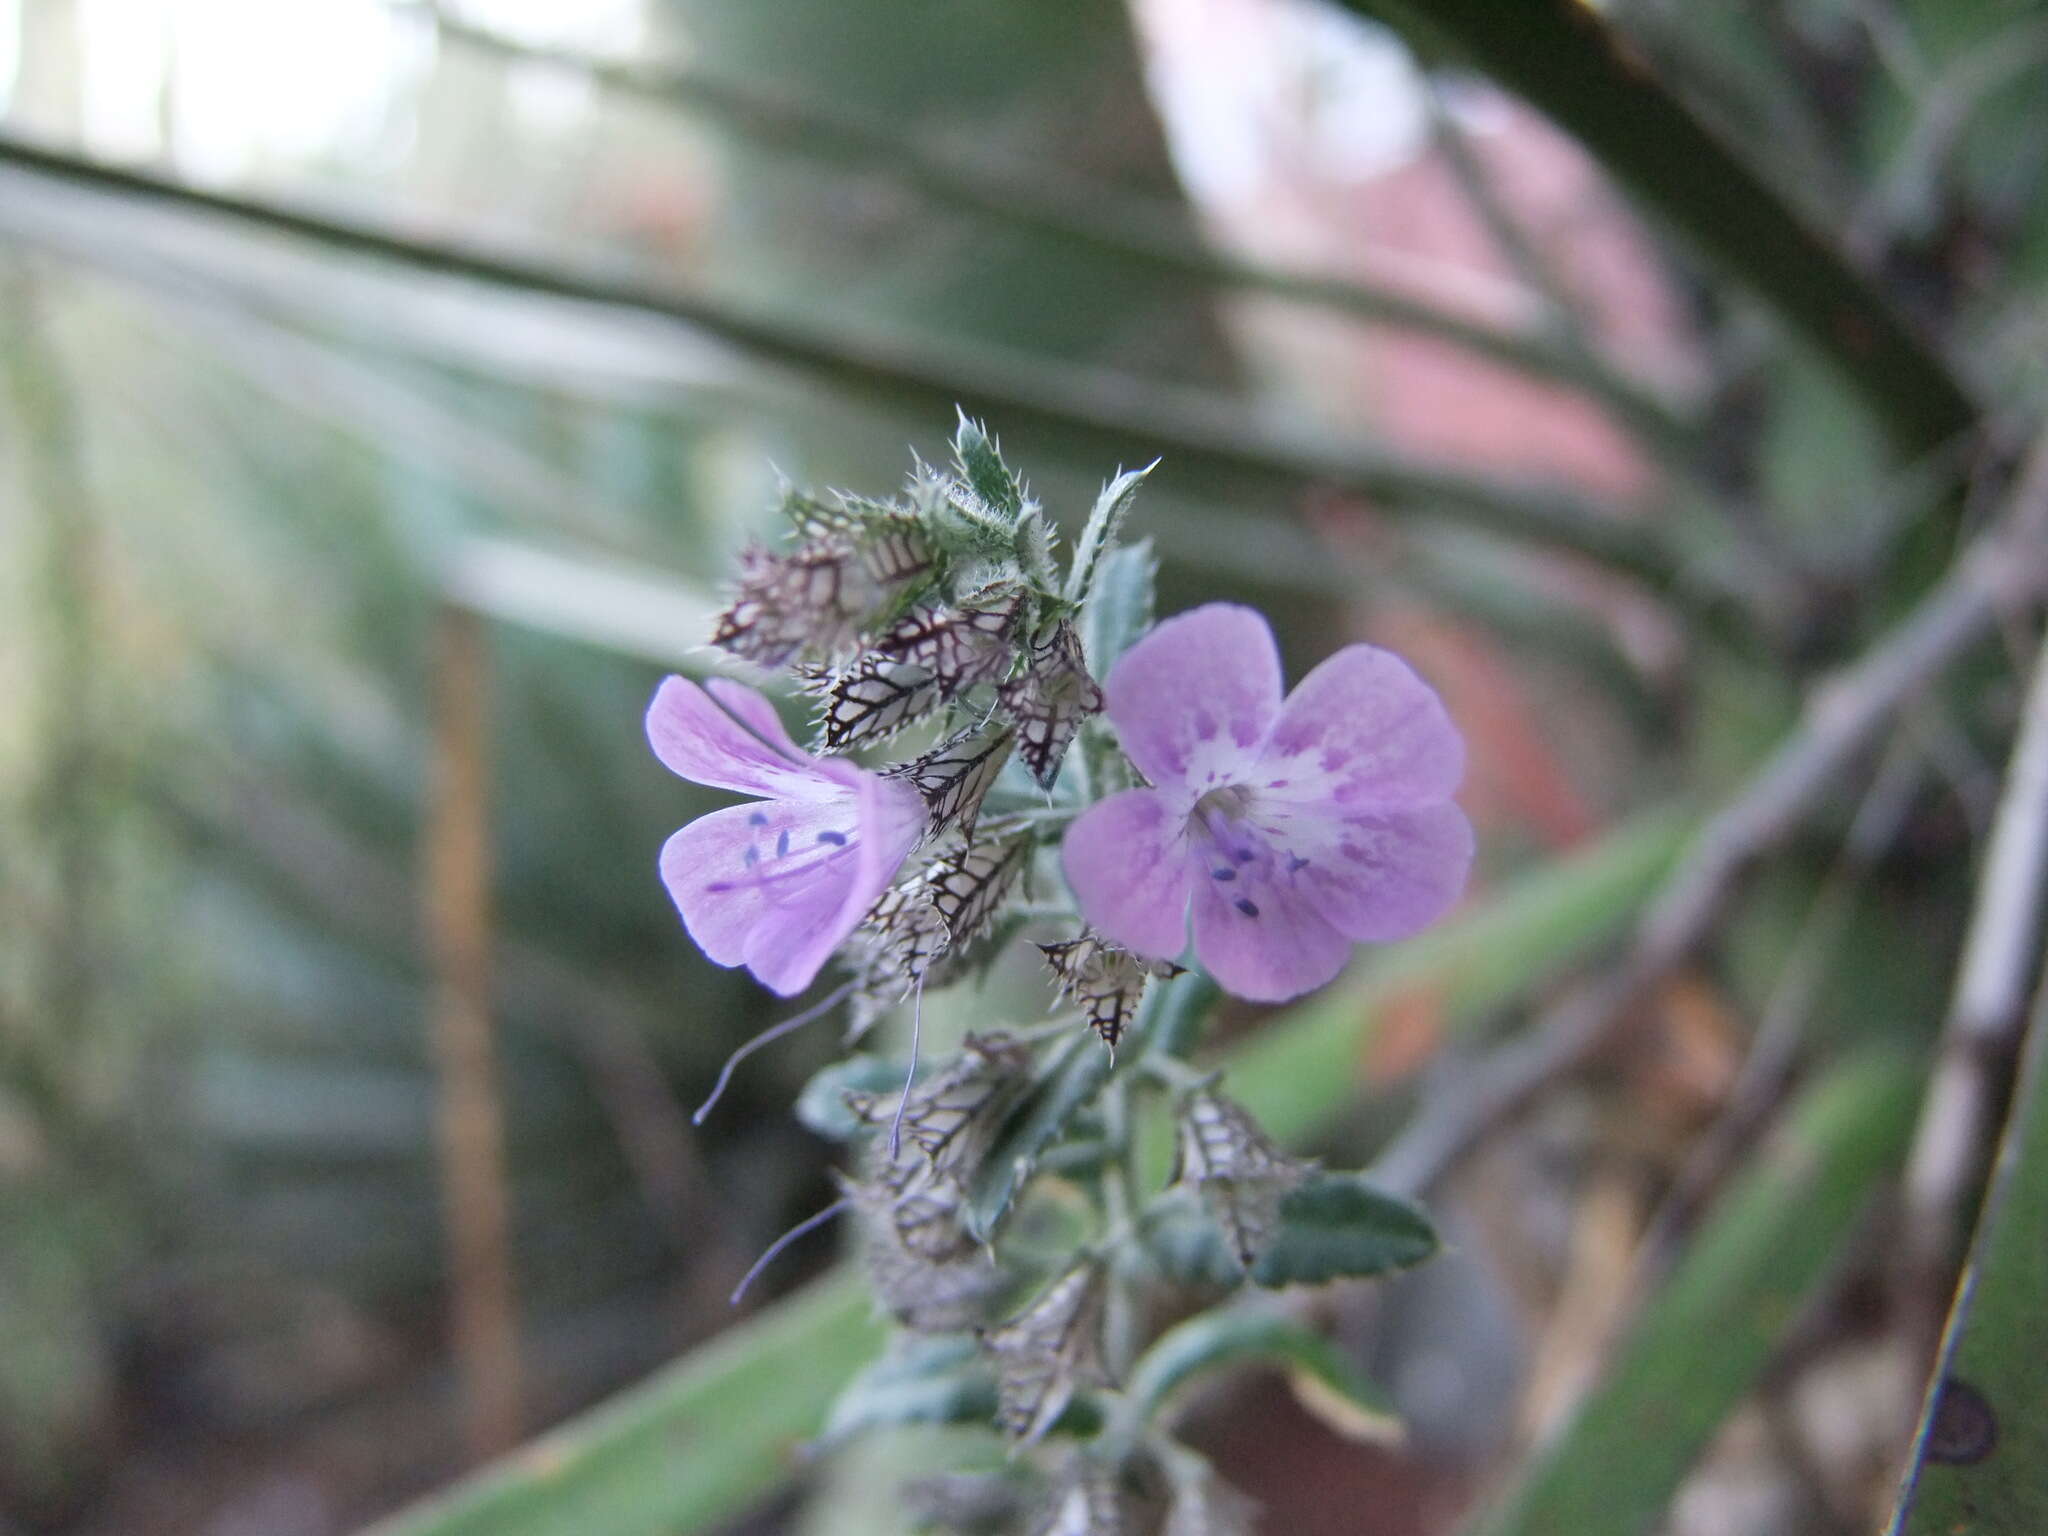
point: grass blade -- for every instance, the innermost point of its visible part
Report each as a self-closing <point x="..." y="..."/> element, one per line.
<point x="1976" y="1468"/>
<point x="1703" y="1343"/>
<point x="694" y="1445"/>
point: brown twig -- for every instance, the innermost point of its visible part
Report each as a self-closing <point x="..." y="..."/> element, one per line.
<point x="476" y="1196"/>
<point x="2000" y="569"/>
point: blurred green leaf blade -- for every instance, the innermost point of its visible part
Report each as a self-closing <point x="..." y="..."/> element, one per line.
<point x="1705" y="1340"/>
<point x="1336" y="1226"/>
<point x="694" y="1445"/>
<point x="1238" y="1335"/>
<point x="1983" y="1441"/>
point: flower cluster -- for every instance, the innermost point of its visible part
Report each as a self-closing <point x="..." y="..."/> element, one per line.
<point x="1147" y="800"/>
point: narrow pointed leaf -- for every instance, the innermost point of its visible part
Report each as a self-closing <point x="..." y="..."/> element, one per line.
<point x="1336" y="1226"/>
<point x="1983" y="1441"/>
<point x="1098" y="534"/>
<point x="1229" y="1336"/>
<point x="821" y="1106"/>
<point x="923" y="1380"/>
<point x="1704" y="1343"/>
<point x="621" y="1470"/>
<point x="1119" y="605"/>
<point x="981" y="462"/>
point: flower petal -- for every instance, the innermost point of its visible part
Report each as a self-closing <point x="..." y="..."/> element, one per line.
<point x="1195" y="699"/>
<point x="1363" y="732"/>
<point x="1126" y="859"/>
<point x="777" y="887"/>
<point x="1381" y="877"/>
<point x="1261" y="936"/>
<point x="702" y="742"/>
<point x="751" y="708"/>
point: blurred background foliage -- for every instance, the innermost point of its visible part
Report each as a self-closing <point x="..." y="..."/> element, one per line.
<point x="1635" y="369"/>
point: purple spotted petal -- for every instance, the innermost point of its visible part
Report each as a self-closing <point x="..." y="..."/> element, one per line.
<point x="1364" y="733"/>
<point x="702" y="742"/>
<point x="1382" y="877"/>
<point x="1195" y="699"/>
<point x="1126" y="860"/>
<point x="777" y="886"/>
<point x="1261" y="936"/>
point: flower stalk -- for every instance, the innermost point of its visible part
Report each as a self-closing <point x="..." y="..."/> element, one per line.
<point x="1141" y="805"/>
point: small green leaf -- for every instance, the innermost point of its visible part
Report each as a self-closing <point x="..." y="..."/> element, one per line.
<point x="1034" y="542"/>
<point x="1074" y="1083"/>
<point x="1167" y="1020"/>
<point x="1230" y="1336"/>
<point x="1098" y="534"/>
<point x="980" y="459"/>
<point x="921" y="1380"/>
<point x="1335" y="1226"/>
<point x="1338" y="1226"/>
<point x="1185" y="1245"/>
<point x="821" y="1106"/>
<point x="970" y="535"/>
<point x="1119" y="605"/>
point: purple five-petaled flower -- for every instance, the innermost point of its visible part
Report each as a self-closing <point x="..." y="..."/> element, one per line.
<point x="778" y="884"/>
<point x="1290" y="831"/>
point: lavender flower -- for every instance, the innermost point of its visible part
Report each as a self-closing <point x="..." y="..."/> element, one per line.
<point x="778" y="885"/>
<point x="1287" y="831"/>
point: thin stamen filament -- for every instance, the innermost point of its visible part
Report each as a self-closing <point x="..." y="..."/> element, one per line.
<point x="769" y="1036"/>
<point x="903" y="1102"/>
<point x="775" y="1249"/>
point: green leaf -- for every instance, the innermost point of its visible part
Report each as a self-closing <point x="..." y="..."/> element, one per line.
<point x="1704" y="1343"/>
<point x="690" y="1447"/>
<point x="972" y="537"/>
<point x="821" y="1106"/>
<point x="1983" y="1437"/>
<point x="1337" y="1226"/>
<point x="980" y="459"/>
<point x="1119" y="605"/>
<point x="1171" y="1012"/>
<point x="1081" y="1072"/>
<point x="920" y="1380"/>
<point x="1098" y="534"/>
<point x="1184" y="1244"/>
<point x="1033" y="544"/>
<point x="1228" y="1336"/>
